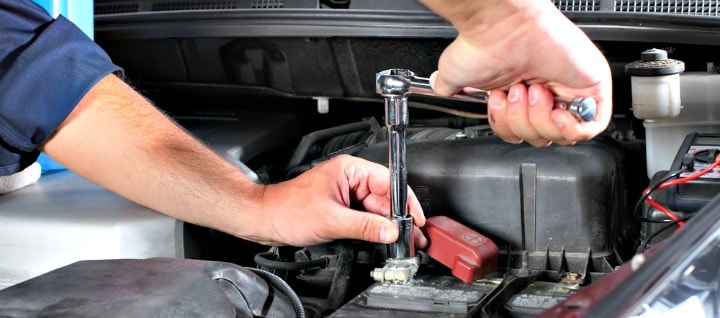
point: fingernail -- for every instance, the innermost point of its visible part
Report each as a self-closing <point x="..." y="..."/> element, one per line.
<point x="386" y="234"/>
<point x="558" y="123"/>
<point x="495" y="103"/>
<point x="532" y="97"/>
<point x="383" y="235"/>
<point x="514" y="94"/>
<point x="432" y="79"/>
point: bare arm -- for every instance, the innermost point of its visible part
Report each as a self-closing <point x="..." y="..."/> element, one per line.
<point x="117" y="139"/>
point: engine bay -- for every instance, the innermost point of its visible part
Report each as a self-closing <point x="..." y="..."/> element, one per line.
<point x="279" y="91"/>
<point x="558" y="216"/>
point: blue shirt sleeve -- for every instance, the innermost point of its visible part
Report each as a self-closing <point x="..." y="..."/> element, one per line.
<point x="46" y="66"/>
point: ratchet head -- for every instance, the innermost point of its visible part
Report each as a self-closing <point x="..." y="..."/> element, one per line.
<point x="393" y="82"/>
<point x="403" y="82"/>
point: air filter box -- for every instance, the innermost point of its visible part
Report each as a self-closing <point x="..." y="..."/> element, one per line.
<point x="555" y="208"/>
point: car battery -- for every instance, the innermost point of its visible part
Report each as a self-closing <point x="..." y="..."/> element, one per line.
<point x="695" y="154"/>
<point x="425" y="297"/>
<point x="692" y="195"/>
<point x="545" y="208"/>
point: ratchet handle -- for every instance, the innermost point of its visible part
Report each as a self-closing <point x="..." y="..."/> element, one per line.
<point x="402" y="82"/>
<point x="421" y="86"/>
<point x="584" y="108"/>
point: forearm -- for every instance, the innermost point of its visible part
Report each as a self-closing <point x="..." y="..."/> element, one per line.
<point x="115" y="138"/>
<point x="471" y="16"/>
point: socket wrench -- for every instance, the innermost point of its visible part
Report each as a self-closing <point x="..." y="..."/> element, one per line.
<point x="395" y="85"/>
<point x="402" y="81"/>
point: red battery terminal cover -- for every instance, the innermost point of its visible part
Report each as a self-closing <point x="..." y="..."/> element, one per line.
<point x="469" y="254"/>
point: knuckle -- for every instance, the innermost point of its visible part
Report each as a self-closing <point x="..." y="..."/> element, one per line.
<point x="366" y="227"/>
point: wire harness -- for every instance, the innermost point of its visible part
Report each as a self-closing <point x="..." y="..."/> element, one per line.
<point x="708" y="156"/>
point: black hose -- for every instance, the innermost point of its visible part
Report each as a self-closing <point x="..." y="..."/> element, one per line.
<point x="297" y="170"/>
<point x="265" y="260"/>
<point x="637" y="211"/>
<point x="284" y="288"/>
<point x="647" y="241"/>
<point x="345" y="141"/>
<point x="341" y="281"/>
<point x="308" y="140"/>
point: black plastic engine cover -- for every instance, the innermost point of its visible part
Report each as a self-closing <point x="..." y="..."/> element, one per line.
<point x="159" y="287"/>
<point x="563" y="201"/>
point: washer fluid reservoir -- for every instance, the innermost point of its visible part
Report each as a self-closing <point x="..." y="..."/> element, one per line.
<point x="655" y="85"/>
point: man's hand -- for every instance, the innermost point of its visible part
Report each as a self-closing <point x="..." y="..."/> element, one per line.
<point x="314" y="207"/>
<point x="527" y="52"/>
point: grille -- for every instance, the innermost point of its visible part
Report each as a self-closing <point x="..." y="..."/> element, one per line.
<point x="672" y="7"/>
<point x="267" y="4"/>
<point x="578" y="5"/>
<point x="687" y="7"/>
<point x="116" y="8"/>
<point x="197" y="5"/>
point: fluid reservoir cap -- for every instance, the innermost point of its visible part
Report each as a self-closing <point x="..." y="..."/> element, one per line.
<point x="653" y="55"/>
<point x="654" y="62"/>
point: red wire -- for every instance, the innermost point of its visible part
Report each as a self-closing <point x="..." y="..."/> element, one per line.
<point x="663" y="210"/>
<point x="670" y="183"/>
<point x="690" y="177"/>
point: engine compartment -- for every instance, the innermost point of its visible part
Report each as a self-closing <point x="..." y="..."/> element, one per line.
<point x="277" y="92"/>
<point x="559" y="216"/>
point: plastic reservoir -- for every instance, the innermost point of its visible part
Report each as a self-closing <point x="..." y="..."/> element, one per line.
<point x="699" y="92"/>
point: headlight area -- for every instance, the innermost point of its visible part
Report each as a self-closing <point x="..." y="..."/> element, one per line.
<point x="678" y="277"/>
<point x="689" y="289"/>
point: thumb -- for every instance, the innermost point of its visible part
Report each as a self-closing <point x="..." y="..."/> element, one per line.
<point x="365" y="226"/>
<point x="441" y="86"/>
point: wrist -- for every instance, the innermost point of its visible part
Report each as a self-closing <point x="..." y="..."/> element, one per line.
<point x="245" y="216"/>
<point x="473" y="16"/>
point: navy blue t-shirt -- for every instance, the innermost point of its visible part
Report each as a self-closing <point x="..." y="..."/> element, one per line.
<point x="46" y="66"/>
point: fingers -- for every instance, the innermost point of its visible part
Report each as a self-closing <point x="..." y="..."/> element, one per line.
<point x="540" y="108"/>
<point x="369" y="183"/>
<point x="352" y="224"/>
<point x="369" y="227"/>
<point x="497" y="116"/>
<point x="518" y="117"/>
<point x="527" y="114"/>
<point x="380" y="204"/>
<point x="419" y="238"/>
<point x="571" y="129"/>
<point x="415" y="209"/>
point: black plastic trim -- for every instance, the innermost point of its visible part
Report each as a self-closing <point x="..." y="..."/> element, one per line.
<point x="269" y="23"/>
<point x="600" y="26"/>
